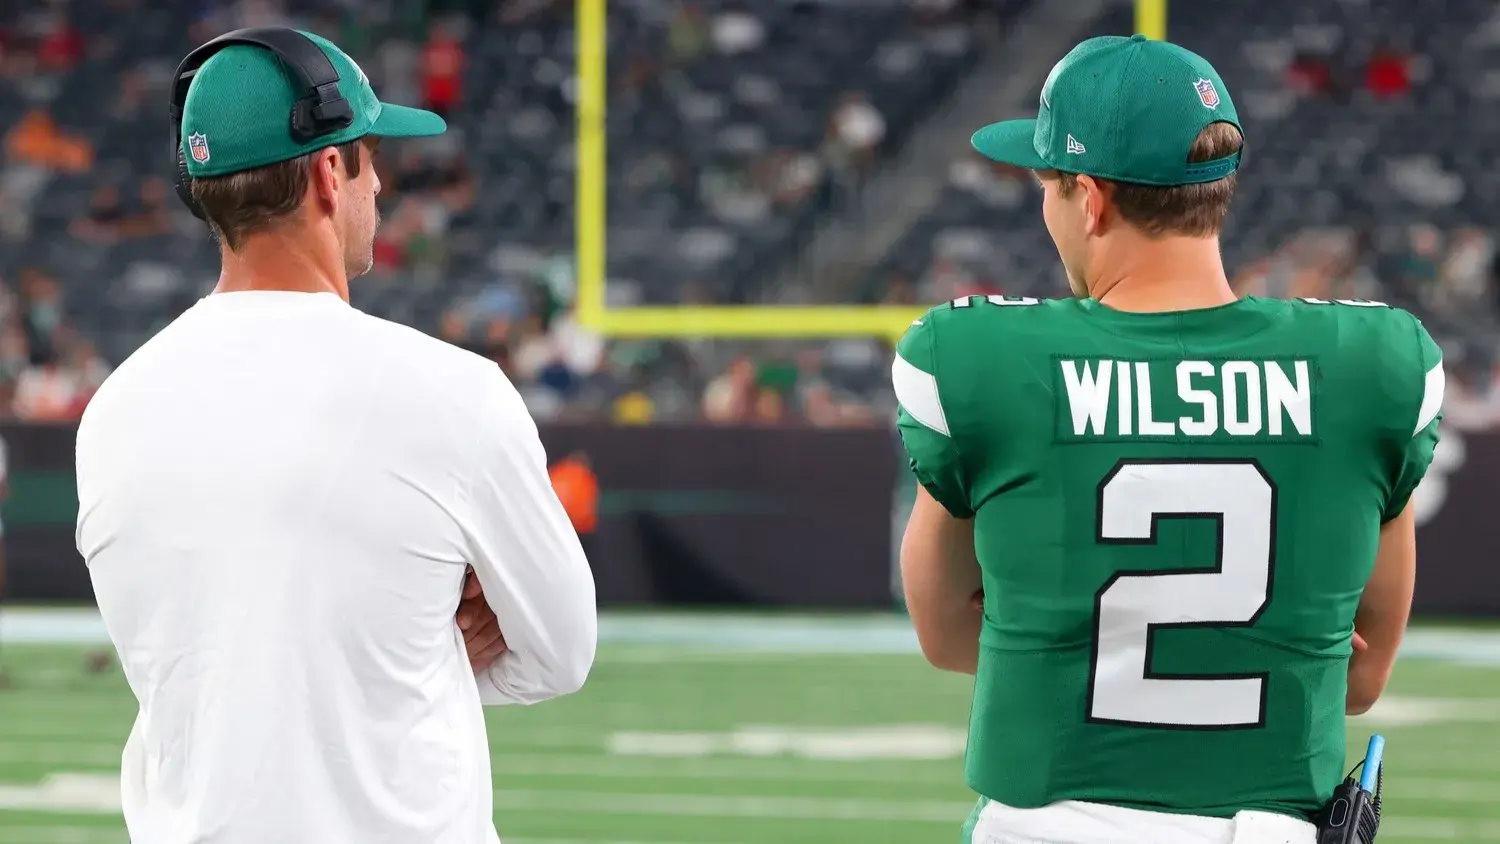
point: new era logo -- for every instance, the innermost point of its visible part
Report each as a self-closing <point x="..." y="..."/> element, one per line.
<point x="1207" y="93"/>
<point x="1075" y="148"/>
<point x="198" y="147"/>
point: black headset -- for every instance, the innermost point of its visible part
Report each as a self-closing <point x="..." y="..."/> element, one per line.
<point x="321" y="111"/>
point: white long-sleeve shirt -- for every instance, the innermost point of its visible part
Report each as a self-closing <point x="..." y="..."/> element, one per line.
<point x="278" y="498"/>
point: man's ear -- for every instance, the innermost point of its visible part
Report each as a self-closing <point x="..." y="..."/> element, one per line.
<point x="1096" y="196"/>
<point x="324" y="178"/>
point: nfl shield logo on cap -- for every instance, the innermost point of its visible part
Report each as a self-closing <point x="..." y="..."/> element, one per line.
<point x="198" y="146"/>
<point x="1207" y="93"/>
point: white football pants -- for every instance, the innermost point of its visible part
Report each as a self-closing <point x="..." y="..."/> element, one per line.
<point x="1071" y="822"/>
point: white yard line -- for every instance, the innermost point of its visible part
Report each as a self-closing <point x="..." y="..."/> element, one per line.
<point x="1480" y="761"/>
<point x="105" y="757"/>
<point x="1437" y="829"/>
<point x="704" y="805"/>
<point x="734" y="637"/>
<point x="94" y="835"/>
<point x="509" y="839"/>
<point x="510" y="760"/>
<point x="508" y="766"/>
<point x="62" y="834"/>
<point x="1477" y="792"/>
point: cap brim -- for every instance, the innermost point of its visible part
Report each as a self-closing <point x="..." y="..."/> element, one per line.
<point x="1010" y="142"/>
<point x="403" y="122"/>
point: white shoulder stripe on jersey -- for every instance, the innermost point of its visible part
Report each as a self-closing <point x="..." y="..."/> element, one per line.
<point x="918" y="393"/>
<point x="1432" y="397"/>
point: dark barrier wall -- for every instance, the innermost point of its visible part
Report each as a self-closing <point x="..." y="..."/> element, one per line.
<point x="688" y="515"/>
<point x="41" y="562"/>
<point x="699" y="515"/>
<point x="693" y="515"/>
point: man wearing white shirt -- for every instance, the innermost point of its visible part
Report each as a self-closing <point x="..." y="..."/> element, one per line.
<point x="279" y="498"/>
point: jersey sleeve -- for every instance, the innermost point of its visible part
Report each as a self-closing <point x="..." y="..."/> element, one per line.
<point x="1418" y="449"/>
<point x="923" y="422"/>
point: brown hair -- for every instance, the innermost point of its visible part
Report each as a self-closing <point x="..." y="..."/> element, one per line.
<point x="1187" y="210"/>
<point x="240" y="204"/>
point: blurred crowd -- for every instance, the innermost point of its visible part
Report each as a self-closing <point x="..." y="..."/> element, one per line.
<point x="418" y="53"/>
<point x="558" y="365"/>
<point x="519" y="308"/>
<point x="48" y="370"/>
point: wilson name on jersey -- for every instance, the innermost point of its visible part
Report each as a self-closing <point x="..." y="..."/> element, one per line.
<point x="1192" y="398"/>
<point x="1174" y="515"/>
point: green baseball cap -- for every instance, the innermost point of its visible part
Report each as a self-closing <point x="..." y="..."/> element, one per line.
<point x="1126" y="109"/>
<point x="238" y="107"/>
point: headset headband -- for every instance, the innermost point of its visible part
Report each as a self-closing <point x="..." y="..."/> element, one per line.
<point x="322" y="110"/>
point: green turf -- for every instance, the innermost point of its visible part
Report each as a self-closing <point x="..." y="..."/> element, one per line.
<point x="562" y="777"/>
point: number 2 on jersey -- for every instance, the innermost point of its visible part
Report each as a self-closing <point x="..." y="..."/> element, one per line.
<point x="1231" y="591"/>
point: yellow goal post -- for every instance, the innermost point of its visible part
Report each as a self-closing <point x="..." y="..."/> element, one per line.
<point x="726" y="321"/>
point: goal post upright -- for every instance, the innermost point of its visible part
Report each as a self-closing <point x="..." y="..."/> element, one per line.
<point x="726" y="321"/>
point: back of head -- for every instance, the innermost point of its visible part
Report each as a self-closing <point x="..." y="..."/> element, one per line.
<point x="1147" y="128"/>
<point x="1193" y="210"/>
<point x="239" y="205"/>
<point x="246" y="142"/>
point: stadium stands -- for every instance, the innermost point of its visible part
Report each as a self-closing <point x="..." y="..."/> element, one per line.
<point x="733" y="129"/>
<point x="1364" y="176"/>
<point x="729" y="132"/>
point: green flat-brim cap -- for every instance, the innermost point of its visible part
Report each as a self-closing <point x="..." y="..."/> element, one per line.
<point x="239" y="105"/>
<point x="1126" y="109"/>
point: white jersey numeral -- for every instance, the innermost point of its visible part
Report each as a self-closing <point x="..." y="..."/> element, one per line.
<point x="1357" y="303"/>
<point x="1231" y="591"/>
<point x="995" y="299"/>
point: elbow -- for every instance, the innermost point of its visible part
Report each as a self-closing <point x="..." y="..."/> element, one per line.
<point x="957" y="663"/>
<point x="558" y="684"/>
<point x="572" y="674"/>
<point x="570" y="681"/>
<point x="945" y="662"/>
<point x="1368" y="676"/>
<point x="574" y="640"/>
<point x="535" y="682"/>
<point x="571" y="665"/>
<point x="1358" y="700"/>
<point x="1361" y="696"/>
<point x="577" y="659"/>
<point x="942" y="653"/>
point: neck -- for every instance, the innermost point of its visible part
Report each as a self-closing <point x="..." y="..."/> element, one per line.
<point x="1166" y="274"/>
<point x="287" y="260"/>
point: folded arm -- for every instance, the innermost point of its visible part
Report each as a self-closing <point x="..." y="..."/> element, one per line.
<point x="1383" y="611"/>
<point x="529" y="562"/>
<point x="942" y="581"/>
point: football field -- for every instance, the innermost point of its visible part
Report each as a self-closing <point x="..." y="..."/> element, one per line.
<point x="733" y="730"/>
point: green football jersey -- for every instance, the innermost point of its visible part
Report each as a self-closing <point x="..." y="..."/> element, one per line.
<point x="1175" y="515"/>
